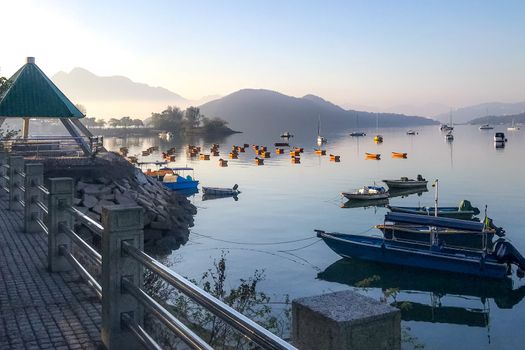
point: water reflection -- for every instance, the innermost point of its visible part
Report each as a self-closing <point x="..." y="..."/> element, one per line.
<point x="352" y="271"/>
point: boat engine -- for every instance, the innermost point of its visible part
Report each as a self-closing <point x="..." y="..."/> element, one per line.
<point x="506" y="253"/>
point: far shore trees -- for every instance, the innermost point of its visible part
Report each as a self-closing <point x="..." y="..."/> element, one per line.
<point x="191" y="120"/>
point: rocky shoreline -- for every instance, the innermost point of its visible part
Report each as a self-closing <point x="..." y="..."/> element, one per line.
<point x="110" y="180"/>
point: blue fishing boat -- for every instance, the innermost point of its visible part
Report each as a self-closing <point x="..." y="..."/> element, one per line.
<point x="464" y="211"/>
<point x="178" y="180"/>
<point x="434" y="257"/>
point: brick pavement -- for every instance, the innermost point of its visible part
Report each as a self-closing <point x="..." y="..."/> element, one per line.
<point x="38" y="309"/>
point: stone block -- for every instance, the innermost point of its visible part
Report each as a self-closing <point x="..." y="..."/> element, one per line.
<point x="89" y="201"/>
<point x="345" y="320"/>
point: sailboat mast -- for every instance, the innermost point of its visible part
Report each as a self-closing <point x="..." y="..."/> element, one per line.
<point x="319" y="125"/>
<point x="436" y="199"/>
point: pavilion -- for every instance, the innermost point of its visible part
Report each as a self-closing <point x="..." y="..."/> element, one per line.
<point x="31" y="94"/>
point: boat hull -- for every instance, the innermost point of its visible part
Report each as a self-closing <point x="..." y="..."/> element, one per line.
<point x="215" y="191"/>
<point x="365" y="197"/>
<point x="414" y="255"/>
<point x="447" y="212"/>
<point x="405" y="184"/>
<point x="181" y="185"/>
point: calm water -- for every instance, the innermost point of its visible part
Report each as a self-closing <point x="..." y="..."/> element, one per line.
<point x="282" y="202"/>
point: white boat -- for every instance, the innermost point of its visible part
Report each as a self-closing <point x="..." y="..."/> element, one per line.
<point x="411" y="132"/>
<point x="165" y="135"/>
<point x="221" y="191"/>
<point x="405" y="182"/>
<point x="513" y="127"/>
<point x="486" y="127"/>
<point x="449" y="136"/>
<point x="499" y="137"/>
<point x="320" y="139"/>
<point x="286" y="135"/>
<point x="367" y="193"/>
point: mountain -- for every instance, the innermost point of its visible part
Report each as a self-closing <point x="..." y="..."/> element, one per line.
<point x="466" y="114"/>
<point x="266" y="111"/>
<point x="115" y="96"/>
<point x="502" y="119"/>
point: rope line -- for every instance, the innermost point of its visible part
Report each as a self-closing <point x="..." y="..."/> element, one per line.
<point x="252" y="243"/>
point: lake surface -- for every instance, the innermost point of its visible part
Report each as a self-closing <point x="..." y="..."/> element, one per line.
<point x="284" y="202"/>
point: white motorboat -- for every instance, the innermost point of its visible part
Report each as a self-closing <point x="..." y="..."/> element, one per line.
<point x="367" y="193"/>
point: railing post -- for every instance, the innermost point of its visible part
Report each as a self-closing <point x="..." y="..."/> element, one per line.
<point x="59" y="199"/>
<point x="3" y="172"/>
<point x="34" y="178"/>
<point x="120" y="224"/>
<point x="16" y="164"/>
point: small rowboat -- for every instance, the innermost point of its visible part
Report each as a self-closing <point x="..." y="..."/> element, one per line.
<point x="259" y="161"/>
<point x="334" y="158"/>
<point x="286" y="135"/>
<point x="464" y="211"/>
<point x="357" y="134"/>
<point x="399" y="155"/>
<point x="219" y="191"/>
<point x="296" y="160"/>
<point x="367" y="193"/>
<point x="223" y="162"/>
<point x="373" y="156"/>
<point x="320" y="152"/>
<point x="378" y="138"/>
<point x="279" y="151"/>
<point x="405" y="182"/>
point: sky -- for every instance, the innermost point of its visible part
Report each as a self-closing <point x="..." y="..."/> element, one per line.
<point x="377" y="54"/>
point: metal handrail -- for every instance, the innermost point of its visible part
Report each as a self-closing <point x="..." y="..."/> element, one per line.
<point x="43" y="189"/>
<point x="42" y="225"/>
<point x="81" y="270"/>
<point x="91" y="252"/>
<point x="42" y="206"/>
<point x="247" y="327"/>
<point x="140" y="333"/>
<point x="21" y="173"/>
<point x="5" y="177"/>
<point x="22" y="202"/>
<point x="179" y="328"/>
<point x="92" y="224"/>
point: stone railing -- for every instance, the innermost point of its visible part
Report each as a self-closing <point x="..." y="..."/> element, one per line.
<point x="48" y="208"/>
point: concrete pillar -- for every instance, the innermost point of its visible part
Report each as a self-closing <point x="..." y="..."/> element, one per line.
<point x="120" y="224"/>
<point x="25" y="128"/>
<point x="60" y="197"/>
<point x="345" y="320"/>
<point x="34" y="178"/>
<point x="16" y="165"/>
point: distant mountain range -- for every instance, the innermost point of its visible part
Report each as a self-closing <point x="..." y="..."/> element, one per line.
<point x="502" y="119"/>
<point x="117" y="96"/>
<point x="466" y="114"/>
<point x="266" y="111"/>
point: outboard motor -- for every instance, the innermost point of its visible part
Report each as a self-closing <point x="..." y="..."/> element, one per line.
<point x="506" y="253"/>
<point x="500" y="231"/>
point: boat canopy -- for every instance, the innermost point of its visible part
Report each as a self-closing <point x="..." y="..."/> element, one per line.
<point x="435" y="221"/>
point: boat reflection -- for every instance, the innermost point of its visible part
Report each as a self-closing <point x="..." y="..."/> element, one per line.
<point x="207" y="197"/>
<point x="407" y="192"/>
<point x="353" y="203"/>
<point x="353" y="272"/>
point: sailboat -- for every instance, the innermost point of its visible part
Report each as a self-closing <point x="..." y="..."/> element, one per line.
<point x="320" y="139"/>
<point x="513" y="127"/>
<point x="357" y="133"/>
<point x="378" y="138"/>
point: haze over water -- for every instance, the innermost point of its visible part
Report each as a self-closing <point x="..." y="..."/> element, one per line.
<point x="283" y="202"/>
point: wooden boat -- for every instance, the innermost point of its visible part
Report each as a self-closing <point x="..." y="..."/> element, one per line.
<point x="233" y="155"/>
<point x="464" y="211"/>
<point x="295" y="153"/>
<point x="367" y="193"/>
<point x="373" y="156"/>
<point x="279" y="151"/>
<point x="159" y="174"/>
<point x="259" y="161"/>
<point x="481" y="263"/>
<point x="296" y="160"/>
<point x="299" y="149"/>
<point x="265" y="154"/>
<point x="177" y="180"/>
<point x="223" y="162"/>
<point x="204" y="156"/>
<point x="378" y="138"/>
<point x="221" y="191"/>
<point x="399" y="155"/>
<point x="320" y="152"/>
<point x="405" y="182"/>
<point x="281" y="144"/>
<point x="215" y="153"/>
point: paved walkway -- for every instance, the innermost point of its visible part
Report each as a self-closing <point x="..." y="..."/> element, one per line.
<point x="38" y="309"/>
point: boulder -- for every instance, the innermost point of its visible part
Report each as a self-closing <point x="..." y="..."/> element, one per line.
<point x="103" y="203"/>
<point x="89" y="201"/>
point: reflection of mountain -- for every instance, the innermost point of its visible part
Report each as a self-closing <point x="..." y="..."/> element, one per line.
<point x="353" y="271"/>
<point x="270" y="112"/>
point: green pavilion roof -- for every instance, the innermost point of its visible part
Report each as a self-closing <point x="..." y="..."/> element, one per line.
<point x="32" y="94"/>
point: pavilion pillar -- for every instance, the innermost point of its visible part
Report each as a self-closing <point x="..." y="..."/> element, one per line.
<point x="25" y="128"/>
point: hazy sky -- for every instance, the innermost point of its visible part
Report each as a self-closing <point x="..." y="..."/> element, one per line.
<point x="373" y="53"/>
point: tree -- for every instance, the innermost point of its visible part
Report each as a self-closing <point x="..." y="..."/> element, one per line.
<point x="126" y="121"/>
<point x="89" y="122"/>
<point x="192" y="118"/>
<point x="4" y="85"/>
<point x="81" y="108"/>
<point x="169" y="119"/>
<point x="137" y="123"/>
<point x="100" y="123"/>
<point x="114" y="122"/>
<point x="214" y="124"/>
